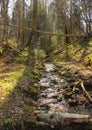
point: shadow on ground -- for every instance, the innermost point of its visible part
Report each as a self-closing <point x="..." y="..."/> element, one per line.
<point x="17" y="95"/>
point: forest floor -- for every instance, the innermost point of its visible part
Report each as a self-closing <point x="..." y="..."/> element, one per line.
<point x="26" y="95"/>
<point x="49" y="95"/>
<point x="16" y="104"/>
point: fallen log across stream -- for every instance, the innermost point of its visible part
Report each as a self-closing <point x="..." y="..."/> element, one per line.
<point x="58" y="118"/>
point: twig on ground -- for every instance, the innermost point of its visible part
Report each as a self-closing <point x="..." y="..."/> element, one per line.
<point x="83" y="88"/>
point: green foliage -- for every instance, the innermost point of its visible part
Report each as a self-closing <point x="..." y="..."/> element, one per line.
<point x="7" y="121"/>
<point x="36" y="72"/>
<point x="22" y="57"/>
<point x="90" y="42"/>
<point x="89" y="47"/>
<point x="40" y="54"/>
<point x="32" y="90"/>
<point x="31" y="53"/>
<point x="9" y="78"/>
<point x="54" y="40"/>
<point x="88" y="60"/>
<point x="44" y="43"/>
<point x="32" y="119"/>
<point x="27" y="109"/>
<point x="1" y="50"/>
<point x="28" y="75"/>
<point x="62" y="73"/>
<point x="12" y="42"/>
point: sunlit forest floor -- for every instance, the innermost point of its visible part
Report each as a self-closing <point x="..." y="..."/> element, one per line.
<point x="16" y="104"/>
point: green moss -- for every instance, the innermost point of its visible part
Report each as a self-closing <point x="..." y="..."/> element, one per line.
<point x="9" y="89"/>
<point x="39" y="66"/>
<point x="11" y="78"/>
<point x="7" y="121"/>
<point x="88" y="60"/>
<point x="33" y="90"/>
<point x="32" y="119"/>
<point x="90" y="42"/>
<point x="8" y="79"/>
<point x="12" y="42"/>
<point x="22" y="57"/>
<point x="40" y="53"/>
<point x="54" y="41"/>
<point x="36" y="72"/>
<point x="27" y="109"/>
<point x="62" y="73"/>
<point x="28" y="73"/>
<point x="78" y="69"/>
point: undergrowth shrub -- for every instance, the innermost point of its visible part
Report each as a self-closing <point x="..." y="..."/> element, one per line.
<point x="88" y="60"/>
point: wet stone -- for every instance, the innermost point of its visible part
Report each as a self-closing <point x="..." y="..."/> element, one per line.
<point x="49" y="67"/>
<point x="43" y="108"/>
<point x="46" y="101"/>
<point x="44" y="82"/>
<point x="68" y="94"/>
<point x="43" y="95"/>
<point x="60" y="96"/>
<point x="49" y="90"/>
<point x="53" y="95"/>
<point x="72" y="102"/>
<point x="57" y="107"/>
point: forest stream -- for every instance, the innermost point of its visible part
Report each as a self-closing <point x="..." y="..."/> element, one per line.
<point x="61" y="99"/>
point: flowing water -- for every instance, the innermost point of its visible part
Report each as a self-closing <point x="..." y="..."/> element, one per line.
<point x="56" y="95"/>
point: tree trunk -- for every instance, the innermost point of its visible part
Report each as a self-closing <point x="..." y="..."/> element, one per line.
<point x="71" y="18"/>
<point x="34" y="21"/>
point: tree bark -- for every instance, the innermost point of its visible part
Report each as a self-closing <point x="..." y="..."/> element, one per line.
<point x="34" y="22"/>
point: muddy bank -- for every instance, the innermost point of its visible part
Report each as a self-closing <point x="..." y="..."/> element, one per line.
<point x="41" y="126"/>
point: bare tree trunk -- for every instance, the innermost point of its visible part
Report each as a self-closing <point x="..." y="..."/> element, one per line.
<point x="5" y="18"/>
<point x="89" y="14"/>
<point x="23" y="36"/>
<point x="71" y="18"/>
<point x="34" y="21"/>
<point x="31" y="41"/>
<point x="86" y="23"/>
<point x="18" y="22"/>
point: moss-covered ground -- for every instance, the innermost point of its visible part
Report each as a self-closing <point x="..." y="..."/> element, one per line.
<point x="77" y="51"/>
<point x="17" y="93"/>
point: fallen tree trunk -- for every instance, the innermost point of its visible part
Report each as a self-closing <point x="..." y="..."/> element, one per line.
<point x="58" y="118"/>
